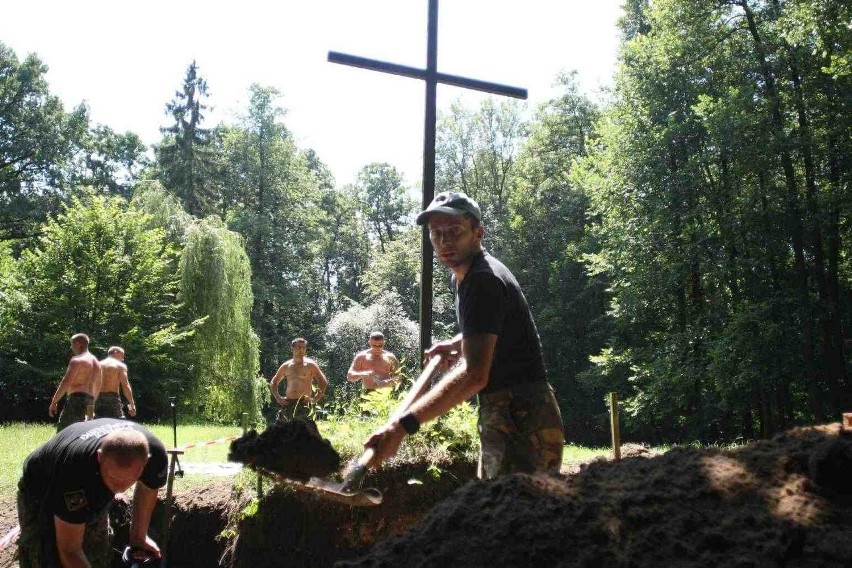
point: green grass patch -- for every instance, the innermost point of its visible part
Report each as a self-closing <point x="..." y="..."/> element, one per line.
<point x="17" y="440"/>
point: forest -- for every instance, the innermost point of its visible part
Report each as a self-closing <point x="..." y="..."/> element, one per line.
<point x="683" y="239"/>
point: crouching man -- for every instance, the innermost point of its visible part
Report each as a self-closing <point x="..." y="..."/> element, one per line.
<point x="68" y="485"/>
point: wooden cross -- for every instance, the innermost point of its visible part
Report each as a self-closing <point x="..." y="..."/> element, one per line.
<point x="432" y="77"/>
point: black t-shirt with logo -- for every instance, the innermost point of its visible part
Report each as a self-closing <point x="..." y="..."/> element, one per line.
<point x="64" y="476"/>
<point x="490" y="300"/>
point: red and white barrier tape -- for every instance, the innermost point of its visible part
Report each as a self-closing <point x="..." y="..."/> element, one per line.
<point x="210" y="443"/>
<point x="10" y="537"/>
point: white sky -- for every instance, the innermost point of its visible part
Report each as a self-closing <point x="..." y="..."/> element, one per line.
<point x="128" y="59"/>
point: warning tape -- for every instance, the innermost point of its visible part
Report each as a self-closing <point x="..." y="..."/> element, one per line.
<point x="10" y="537"/>
<point x="210" y="443"/>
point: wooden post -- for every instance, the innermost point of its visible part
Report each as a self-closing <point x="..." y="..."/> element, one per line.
<point x="613" y="421"/>
<point x="259" y="475"/>
<point x="245" y="423"/>
<point x="167" y="509"/>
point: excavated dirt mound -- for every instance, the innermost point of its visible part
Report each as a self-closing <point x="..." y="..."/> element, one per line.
<point x="292" y="449"/>
<point x="783" y="502"/>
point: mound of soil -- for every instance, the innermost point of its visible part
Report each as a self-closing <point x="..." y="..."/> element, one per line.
<point x="782" y="502"/>
<point x="292" y="449"/>
<point x="294" y="528"/>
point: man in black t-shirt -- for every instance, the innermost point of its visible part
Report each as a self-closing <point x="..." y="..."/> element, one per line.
<point x="520" y="427"/>
<point x="69" y="483"/>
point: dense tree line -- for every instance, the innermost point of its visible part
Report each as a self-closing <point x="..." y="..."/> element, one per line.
<point x="683" y="242"/>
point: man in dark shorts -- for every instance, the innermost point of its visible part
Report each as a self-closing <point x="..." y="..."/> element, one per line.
<point x="301" y="372"/>
<point x="82" y="382"/>
<point x="68" y="485"/>
<point x="114" y="382"/>
<point x="520" y="426"/>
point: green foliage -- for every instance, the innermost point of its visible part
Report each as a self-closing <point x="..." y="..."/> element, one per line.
<point x="717" y="237"/>
<point x="274" y="204"/>
<point x="98" y="269"/>
<point x="385" y="205"/>
<point x="187" y="157"/>
<point x="216" y="290"/>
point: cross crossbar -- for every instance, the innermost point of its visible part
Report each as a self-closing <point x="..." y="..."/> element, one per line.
<point x="424" y="74"/>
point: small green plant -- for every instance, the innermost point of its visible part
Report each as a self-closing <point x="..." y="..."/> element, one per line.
<point x="251" y="508"/>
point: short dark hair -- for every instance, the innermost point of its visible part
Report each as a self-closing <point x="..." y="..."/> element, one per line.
<point x="80" y="338"/>
<point x="115" y="349"/>
<point x="126" y="446"/>
<point x="377" y="335"/>
<point x="299" y="340"/>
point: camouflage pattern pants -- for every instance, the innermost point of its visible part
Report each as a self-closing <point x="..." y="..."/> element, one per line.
<point x="295" y="408"/>
<point x="37" y="540"/>
<point x="76" y="405"/>
<point x="520" y="430"/>
<point x="108" y="405"/>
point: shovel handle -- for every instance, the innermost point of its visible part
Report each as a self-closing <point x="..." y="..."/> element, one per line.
<point x="418" y="388"/>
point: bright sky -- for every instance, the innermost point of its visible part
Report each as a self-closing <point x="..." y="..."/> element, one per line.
<point x="128" y="59"/>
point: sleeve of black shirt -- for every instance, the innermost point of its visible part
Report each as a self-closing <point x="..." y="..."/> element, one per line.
<point x="156" y="470"/>
<point x="482" y="304"/>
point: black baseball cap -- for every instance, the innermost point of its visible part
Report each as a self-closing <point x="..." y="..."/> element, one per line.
<point x="452" y="203"/>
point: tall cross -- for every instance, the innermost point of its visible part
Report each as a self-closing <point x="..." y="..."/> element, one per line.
<point x="432" y="77"/>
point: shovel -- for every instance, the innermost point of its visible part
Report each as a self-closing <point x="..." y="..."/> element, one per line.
<point x="345" y="492"/>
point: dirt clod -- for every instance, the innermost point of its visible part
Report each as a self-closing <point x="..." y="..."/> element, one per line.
<point x="293" y="449"/>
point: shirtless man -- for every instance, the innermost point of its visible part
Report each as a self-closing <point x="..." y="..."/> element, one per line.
<point x="114" y="373"/>
<point x="82" y="383"/>
<point x="300" y="372"/>
<point x="375" y="367"/>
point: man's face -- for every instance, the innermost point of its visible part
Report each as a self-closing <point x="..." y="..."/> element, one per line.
<point x="299" y="349"/>
<point x="77" y="347"/>
<point x="117" y="478"/>
<point x="376" y="343"/>
<point x="118" y="355"/>
<point x="453" y="238"/>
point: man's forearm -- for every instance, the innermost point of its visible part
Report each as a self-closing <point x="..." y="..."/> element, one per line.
<point x="60" y="392"/>
<point x="144" y="499"/>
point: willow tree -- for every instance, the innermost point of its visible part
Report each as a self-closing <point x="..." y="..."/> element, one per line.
<point x="216" y="287"/>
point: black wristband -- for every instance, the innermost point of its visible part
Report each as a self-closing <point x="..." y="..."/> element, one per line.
<point x="409" y="423"/>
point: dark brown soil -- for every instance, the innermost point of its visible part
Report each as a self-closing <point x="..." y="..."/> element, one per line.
<point x="783" y="502"/>
<point x="292" y="449"/>
<point x="8" y="520"/>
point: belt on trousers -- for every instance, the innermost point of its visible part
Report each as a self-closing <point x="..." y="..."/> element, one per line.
<point x="78" y="393"/>
<point x="508" y="393"/>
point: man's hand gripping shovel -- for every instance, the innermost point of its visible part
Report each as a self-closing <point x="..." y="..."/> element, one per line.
<point x="347" y="491"/>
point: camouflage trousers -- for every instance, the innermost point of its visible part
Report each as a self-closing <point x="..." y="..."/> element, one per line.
<point x="74" y="410"/>
<point x="520" y="431"/>
<point x="295" y="408"/>
<point x="37" y="540"/>
<point x="108" y="405"/>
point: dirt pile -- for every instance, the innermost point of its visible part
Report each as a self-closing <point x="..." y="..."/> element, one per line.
<point x="782" y="502"/>
<point x="292" y="449"/>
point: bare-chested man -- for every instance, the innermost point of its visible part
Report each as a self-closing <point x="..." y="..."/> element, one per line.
<point x="375" y="367"/>
<point x="300" y="372"/>
<point x="114" y="373"/>
<point x="82" y="382"/>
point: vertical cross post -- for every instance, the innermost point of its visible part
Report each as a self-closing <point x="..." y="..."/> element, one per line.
<point x="431" y="77"/>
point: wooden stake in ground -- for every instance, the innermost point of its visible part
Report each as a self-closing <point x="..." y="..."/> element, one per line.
<point x="613" y="421"/>
<point x="167" y="510"/>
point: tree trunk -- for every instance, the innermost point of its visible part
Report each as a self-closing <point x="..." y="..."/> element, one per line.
<point x="793" y="211"/>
